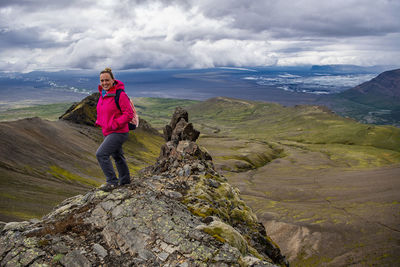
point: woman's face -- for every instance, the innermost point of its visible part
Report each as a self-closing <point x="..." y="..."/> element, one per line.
<point x="106" y="81"/>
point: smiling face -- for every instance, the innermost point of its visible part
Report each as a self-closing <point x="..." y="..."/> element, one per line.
<point x="106" y="81"/>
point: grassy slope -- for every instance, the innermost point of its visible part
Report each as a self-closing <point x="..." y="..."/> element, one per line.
<point x="326" y="181"/>
<point x="48" y="112"/>
<point x="44" y="162"/>
<point x="385" y="113"/>
<point x="158" y="111"/>
<point x="311" y="127"/>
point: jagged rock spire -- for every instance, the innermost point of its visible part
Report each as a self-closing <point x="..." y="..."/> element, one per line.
<point x="179" y="128"/>
<point x="180" y="136"/>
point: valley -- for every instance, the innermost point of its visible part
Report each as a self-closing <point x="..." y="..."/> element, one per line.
<point x="321" y="213"/>
<point x="328" y="190"/>
<point x="325" y="187"/>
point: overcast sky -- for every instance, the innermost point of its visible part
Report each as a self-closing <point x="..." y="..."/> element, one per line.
<point x="131" y="34"/>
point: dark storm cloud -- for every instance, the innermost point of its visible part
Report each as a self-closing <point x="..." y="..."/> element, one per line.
<point x="33" y="37"/>
<point x="310" y="18"/>
<point x="196" y="34"/>
<point x="33" y="5"/>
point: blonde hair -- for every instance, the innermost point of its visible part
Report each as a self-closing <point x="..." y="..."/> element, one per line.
<point x="109" y="71"/>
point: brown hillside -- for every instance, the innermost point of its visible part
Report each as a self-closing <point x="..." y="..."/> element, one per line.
<point x="386" y="84"/>
<point x="44" y="162"/>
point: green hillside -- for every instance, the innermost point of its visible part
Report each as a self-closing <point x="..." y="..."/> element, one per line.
<point x="376" y="101"/>
<point x="158" y="111"/>
<point x="44" y="162"/>
<point x="312" y="127"/>
<point x="48" y="112"/>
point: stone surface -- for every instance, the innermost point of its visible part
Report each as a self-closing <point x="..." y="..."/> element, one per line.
<point x="180" y="128"/>
<point x="177" y="212"/>
<point x="102" y="252"/>
<point x="75" y="259"/>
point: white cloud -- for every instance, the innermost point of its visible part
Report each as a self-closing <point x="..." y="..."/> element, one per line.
<point x="194" y="34"/>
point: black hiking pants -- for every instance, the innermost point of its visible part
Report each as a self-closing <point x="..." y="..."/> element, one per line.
<point x="112" y="146"/>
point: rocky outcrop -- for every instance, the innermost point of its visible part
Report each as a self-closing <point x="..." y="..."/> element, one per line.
<point x="179" y="128"/>
<point x="177" y="212"/>
<point x="84" y="112"/>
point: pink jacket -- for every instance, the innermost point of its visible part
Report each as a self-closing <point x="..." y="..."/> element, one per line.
<point x="109" y="117"/>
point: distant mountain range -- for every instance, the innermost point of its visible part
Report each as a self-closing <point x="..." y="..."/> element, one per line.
<point x="350" y="91"/>
<point x="340" y="68"/>
<point x="381" y="91"/>
<point x="375" y="101"/>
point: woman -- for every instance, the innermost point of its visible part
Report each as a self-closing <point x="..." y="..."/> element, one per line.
<point x="114" y="124"/>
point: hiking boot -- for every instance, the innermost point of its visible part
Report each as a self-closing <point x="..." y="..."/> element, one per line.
<point x="122" y="184"/>
<point x="107" y="187"/>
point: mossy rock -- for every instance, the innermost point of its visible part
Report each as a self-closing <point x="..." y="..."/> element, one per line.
<point x="244" y="215"/>
<point x="226" y="233"/>
<point x="83" y="112"/>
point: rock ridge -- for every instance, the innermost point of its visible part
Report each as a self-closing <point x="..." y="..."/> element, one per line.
<point x="177" y="212"/>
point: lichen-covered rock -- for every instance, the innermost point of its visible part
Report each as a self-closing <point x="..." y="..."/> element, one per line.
<point x="226" y="233"/>
<point x="83" y="112"/>
<point x="180" y="128"/>
<point x="178" y="212"/>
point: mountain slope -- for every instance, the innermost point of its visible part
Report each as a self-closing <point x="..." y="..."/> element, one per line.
<point x="306" y="172"/>
<point x="178" y="212"/>
<point x="376" y="101"/>
<point x="315" y="128"/>
<point x="43" y="162"/>
<point x="324" y="186"/>
<point x="382" y="91"/>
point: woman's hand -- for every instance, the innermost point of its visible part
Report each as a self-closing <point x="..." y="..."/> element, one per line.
<point x="114" y="125"/>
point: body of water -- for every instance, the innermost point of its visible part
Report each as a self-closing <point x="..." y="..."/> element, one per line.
<point x="279" y="84"/>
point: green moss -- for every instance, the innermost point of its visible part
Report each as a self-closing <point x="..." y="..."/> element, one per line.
<point x="201" y="210"/>
<point x="219" y="238"/>
<point x="227" y="233"/>
<point x="30" y="242"/>
<point x="244" y="215"/>
<point x="57" y="258"/>
<point x="43" y="242"/>
<point x="224" y="202"/>
<point x="310" y="261"/>
<point x="21" y="214"/>
<point x="63" y="174"/>
<point x="9" y="196"/>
